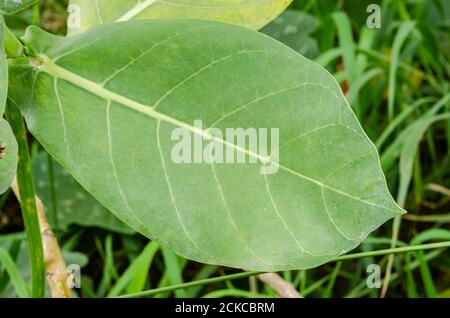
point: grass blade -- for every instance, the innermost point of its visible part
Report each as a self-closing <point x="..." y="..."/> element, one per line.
<point x="333" y="276"/>
<point x="136" y="274"/>
<point x="400" y="119"/>
<point x="28" y="203"/>
<point x="347" y="44"/>
<point x="174" y="270"/>
<point x="399" y="39"/>
<point x="16" y="277"/>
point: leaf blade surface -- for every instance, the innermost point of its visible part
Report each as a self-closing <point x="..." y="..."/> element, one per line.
<point x="112" y="120"/>
<point x="8" y="155"/>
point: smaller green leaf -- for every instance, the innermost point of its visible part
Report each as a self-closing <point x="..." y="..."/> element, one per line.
<point x="14" y="6"/>
<point x="72" y="204"/>
<point x="8" y="155"/>
<point x="294" y="28"/>
<point x="253" y="14"/>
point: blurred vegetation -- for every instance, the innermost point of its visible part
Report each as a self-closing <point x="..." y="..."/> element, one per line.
<point x="396" y="79"/>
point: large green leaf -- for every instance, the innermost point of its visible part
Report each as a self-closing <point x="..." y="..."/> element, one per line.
<point x="8" y="155"/>
<point x="13" y="6"/>
<point x="106" y="102"/>
<point x="253" y="14"/>
<point x="71" y="204"/>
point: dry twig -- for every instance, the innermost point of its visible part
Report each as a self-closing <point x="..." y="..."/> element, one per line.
<point x="55" y="266"/>
<point x="283" y="288"/>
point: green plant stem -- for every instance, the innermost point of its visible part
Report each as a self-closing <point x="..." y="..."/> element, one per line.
<point x="396" y="250"/>
<point x="252" y="273"/>
<point x="27" y="200"/>
<point x="191" y="284"/>
<point x="13" y="46"/>
<point x="53" y="207"/>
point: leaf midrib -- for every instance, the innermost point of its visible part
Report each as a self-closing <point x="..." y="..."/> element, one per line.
<point x="137" y="9"/>
<point x="50" y="67"/>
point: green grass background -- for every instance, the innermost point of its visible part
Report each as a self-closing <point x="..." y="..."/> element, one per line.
<point x="397" y="81"/>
